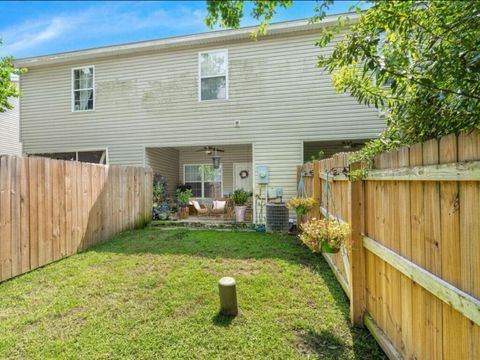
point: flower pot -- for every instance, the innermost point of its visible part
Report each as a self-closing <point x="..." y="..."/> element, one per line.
<point x="183" y="213"/>
<point x="300" y="211"/>
<point x="326" y="248"/>
<point x="240" y="213"/>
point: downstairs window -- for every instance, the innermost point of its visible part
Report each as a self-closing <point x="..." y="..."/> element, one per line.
<point x="205" y="181"/>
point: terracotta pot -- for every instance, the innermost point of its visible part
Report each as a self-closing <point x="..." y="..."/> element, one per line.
<point x="183" y="213"/>
<point x="240" y="213"/>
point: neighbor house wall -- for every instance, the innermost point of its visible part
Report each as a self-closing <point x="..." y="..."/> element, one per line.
<point x="276" y="92"/>
<point x="164" y="161"/>
<point x="10" y="129"/>
<point x="233" y="154"/>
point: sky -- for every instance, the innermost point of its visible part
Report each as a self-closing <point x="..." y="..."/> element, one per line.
<point x="39" y="28"/>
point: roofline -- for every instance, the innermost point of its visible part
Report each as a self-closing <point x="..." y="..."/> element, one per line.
<point x="177" y="41"/>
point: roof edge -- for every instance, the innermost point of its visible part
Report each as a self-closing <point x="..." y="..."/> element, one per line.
<point x="171" y="42"/>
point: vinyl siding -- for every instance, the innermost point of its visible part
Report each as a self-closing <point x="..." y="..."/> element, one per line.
<point x="164" y="161"/>
<point x="10" y="129"/>
<point x="151" y="100"/>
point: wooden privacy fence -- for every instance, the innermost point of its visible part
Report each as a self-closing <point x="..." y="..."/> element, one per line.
<point x="50" y="209"/>
<point x="413" y="273"/>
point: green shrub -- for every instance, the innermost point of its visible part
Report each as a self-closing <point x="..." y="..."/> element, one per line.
<point x="183" y="197"/>
<point x="240" y="197"/>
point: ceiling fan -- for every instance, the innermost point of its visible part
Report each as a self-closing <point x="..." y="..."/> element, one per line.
<point x="209" y="150"/>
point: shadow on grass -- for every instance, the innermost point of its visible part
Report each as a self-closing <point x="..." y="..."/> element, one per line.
<point x="327" y="345"/>
<point x="324" y="344"/>
<point x="222" y="320"/>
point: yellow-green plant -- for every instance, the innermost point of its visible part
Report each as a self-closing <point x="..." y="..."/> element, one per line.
<point x="302" y="205"/>
<point x="322" y="235"/>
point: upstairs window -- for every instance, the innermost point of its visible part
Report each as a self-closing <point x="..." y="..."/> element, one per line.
<point x="83" y="97"/>
<point x="213" y="68"/>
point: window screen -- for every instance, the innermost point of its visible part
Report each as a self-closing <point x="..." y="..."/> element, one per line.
<point x="213" y="75"/>
<point x="83" y="89"/>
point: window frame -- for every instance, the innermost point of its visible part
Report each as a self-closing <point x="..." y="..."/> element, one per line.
<point x="105" y="150"/>
<point x="203" y="178"/>
<point x="206" y="77"/>
<point x="72" y="105"/>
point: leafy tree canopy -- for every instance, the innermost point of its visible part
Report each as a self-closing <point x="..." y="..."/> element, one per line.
<point x="7" y="87"/>
<point x="418" y="61"/>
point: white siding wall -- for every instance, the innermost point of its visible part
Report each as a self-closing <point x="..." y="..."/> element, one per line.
<point x="164" y="161"/>
<point x="280" y="98"/>
<point x="10" y="130"/>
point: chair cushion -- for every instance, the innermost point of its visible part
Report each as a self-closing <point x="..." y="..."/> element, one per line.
<point x="219" y="205"/>
<point x="196" y="205"/>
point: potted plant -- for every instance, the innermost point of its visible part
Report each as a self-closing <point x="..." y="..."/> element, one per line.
<point x="323" y="235"/>
<point x="183" y="198"/>
<point x="302" y="205"/>
<point x="239" y="199"/>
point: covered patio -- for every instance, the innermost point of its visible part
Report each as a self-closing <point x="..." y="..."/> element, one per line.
<point x="193" y="167"/>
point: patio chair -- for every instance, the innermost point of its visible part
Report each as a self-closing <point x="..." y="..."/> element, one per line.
<point x="199" y="209"/>
<point x="222" y="207"/>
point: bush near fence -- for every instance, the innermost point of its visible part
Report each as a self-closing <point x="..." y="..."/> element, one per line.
<point x="50" y="209"/>
<point x="413" y="273"/>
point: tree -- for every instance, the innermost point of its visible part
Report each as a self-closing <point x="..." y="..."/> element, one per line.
<point x="7" y="87"/>
<point x="417" y="60"/>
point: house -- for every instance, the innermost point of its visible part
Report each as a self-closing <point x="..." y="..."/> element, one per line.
<point x="10" y="128"/>
<point x="175" y="103"/>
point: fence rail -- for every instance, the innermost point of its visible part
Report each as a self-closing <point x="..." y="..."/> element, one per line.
<point x="413" y="273"/>
<point x="50" y="209"/>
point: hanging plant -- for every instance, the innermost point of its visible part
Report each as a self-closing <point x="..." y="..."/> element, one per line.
<point x="302" y="205"/>
<point x="322" y="235"/>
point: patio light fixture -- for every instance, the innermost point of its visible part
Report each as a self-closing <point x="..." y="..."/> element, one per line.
<point x="216" y="160"/>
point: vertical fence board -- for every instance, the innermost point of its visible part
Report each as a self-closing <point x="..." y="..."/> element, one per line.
<point x="55" y="189"/>
<point x="433" y="306"/>
<point x="5" y="219"/>
<point x="405" y="249"/>
<point x="380" y="233"/>
<point x="24" y="214"/>
<point x="78" y="217"/>
<point x="69" y="195"/>
<point x="418" y="253"/>
<point x="453" y="324"/>
<point x="46" y="244"/>
<point x="16" y="260"/>
<point x="395" y="233"/>
<point x="33" y="183"/>
<point x="357" y="253"/>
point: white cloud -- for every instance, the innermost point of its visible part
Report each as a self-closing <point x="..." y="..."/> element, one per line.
<point x="33" y="34"/>
<point x="96" y="23"/>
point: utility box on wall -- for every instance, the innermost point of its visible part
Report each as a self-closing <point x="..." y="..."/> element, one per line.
<point x="262" y="174"/>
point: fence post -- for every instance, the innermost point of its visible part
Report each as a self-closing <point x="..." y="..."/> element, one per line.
<point x="357" y="253"/>
<point x="316" y="188"/>
<point x="299" y="172"/>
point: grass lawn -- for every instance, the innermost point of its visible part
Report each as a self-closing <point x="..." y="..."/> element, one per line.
<point x="152" y="294"/>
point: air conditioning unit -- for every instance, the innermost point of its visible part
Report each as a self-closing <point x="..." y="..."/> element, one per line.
<point x="277" y="217"/>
